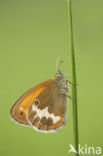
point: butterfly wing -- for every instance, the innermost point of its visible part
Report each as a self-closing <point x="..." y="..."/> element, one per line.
<point x="47" y="111"/>
<point x="18" y="111"/>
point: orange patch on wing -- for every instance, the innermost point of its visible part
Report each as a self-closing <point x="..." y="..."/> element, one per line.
<point x="30" y="95"/>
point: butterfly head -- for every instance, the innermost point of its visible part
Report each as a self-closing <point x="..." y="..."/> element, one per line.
<point x="60" y="75"/>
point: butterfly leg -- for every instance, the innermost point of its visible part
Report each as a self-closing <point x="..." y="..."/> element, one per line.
<point x="71" y="82"/>
<point x="69" y="97"/>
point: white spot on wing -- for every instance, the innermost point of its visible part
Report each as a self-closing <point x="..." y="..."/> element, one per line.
<point x="44" y="112"/>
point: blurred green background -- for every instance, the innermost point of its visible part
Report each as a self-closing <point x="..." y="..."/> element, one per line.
<point x="33" y="33"/>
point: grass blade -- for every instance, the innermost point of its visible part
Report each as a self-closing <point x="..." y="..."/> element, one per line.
<point x="74" y="87"/>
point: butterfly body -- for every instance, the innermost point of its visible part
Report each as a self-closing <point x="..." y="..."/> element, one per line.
<point x="44" y="106"/>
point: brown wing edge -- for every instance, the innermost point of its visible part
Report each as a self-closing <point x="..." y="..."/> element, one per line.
<point x="18" y="100"/>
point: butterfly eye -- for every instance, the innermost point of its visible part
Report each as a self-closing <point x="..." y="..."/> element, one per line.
<point x="36" y="102"/>
<point x="21" y="113"/>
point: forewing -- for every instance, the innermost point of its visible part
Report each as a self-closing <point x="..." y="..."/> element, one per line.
<point x="19" y="110"/>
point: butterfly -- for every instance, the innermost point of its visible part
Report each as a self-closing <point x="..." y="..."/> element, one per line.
<point x="44" y="106"/>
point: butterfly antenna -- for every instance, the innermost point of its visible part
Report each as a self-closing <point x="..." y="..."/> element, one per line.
<point x="58" y="63"/>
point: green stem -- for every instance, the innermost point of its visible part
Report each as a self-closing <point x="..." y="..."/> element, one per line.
<point x="74" y="87"/>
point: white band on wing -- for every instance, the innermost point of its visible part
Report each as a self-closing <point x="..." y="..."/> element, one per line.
<point x="44" y="113"/>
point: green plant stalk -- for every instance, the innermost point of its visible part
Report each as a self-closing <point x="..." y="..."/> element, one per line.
<point x="74" y="86"/>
